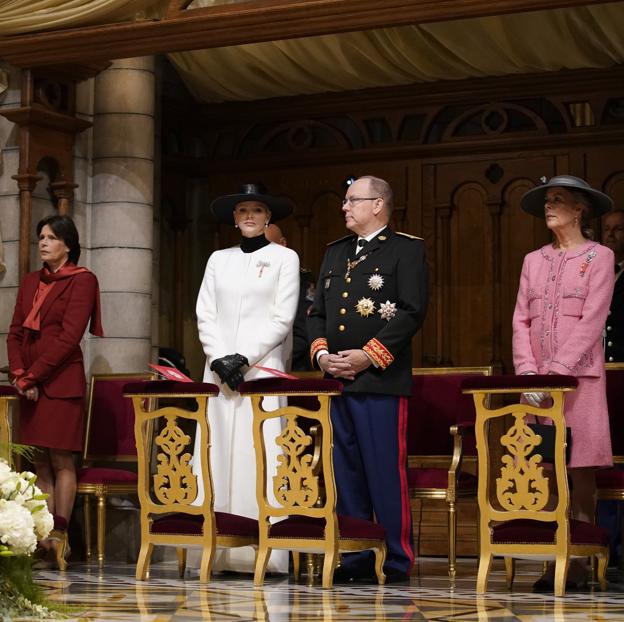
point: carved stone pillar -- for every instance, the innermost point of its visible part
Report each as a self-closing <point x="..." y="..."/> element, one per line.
<point x="122" y="213"/>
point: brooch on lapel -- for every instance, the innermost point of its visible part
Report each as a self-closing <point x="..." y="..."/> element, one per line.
<point x="387" y="310"/>
<point x="375" y="282"/>
<point x="365" y="307"/>
<point x="586" y="263"/>
<point x="262" y="265"/>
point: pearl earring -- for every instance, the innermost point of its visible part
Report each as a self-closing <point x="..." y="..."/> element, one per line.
<point x="266" y="224"/>
<point x="235" y="225"/>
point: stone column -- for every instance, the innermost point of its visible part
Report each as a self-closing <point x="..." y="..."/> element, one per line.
<point x="121" y="218"/>
<point x="9" y="209"/>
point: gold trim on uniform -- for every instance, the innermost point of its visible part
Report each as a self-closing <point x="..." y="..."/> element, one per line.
<point x="378" y="353"/>
<point x="316" y="346"/>
<point x="365" y="307"/>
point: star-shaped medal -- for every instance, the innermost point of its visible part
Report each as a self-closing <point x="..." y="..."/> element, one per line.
<point x="375" y="282"/>
<point x="387" y="310"/>
<point x="365" y="307"/>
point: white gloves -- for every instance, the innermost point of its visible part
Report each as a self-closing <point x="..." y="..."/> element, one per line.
<point x="535" y="398"/>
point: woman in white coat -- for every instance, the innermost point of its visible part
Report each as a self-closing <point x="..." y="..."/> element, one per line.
<point x="245" y="313"/>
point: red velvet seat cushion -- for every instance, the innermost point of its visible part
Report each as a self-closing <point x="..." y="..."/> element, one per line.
<point x="523" y="531"/>
<point x="170" y="387"/>
<point x="7" y="391"/>
<point x="609" y="478"/>
<point x="528" y="381"/>
<point x="100" y="475"/>
<point x="422" y="477"/>
<point x="286" y="386"/>
<point x="313" y="528"/>
<point x="191" y="525"/>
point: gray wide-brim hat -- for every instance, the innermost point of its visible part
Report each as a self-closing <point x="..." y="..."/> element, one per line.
<point x="533" y="201"/>
<point x="222" y="208"/>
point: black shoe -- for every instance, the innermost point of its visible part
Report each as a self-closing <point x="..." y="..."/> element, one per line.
<point x="395" y="576"/>
<point x="543" y="585"/>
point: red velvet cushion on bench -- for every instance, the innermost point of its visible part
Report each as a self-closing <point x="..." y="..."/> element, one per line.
<point x="185" y="524"/>
<point x="102" y="475"/>
<point x="535" y="532"/>
<point x="307" y="527"/>
<point x="424" y="477"/>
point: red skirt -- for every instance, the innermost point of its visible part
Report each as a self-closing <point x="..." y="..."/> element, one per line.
<point x="53" y="423"/>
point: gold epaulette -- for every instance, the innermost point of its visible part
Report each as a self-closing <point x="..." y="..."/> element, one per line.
<point x="346" y="237"/>
<point x="407" y="235"/>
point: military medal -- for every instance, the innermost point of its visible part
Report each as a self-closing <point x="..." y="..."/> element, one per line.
<point x="387" y="310"/>
<point x="352" y="264"/>
<point x="365" y="307"/>
<point x="375" y="282"/>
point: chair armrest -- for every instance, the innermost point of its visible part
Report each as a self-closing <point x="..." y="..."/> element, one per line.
<point x="457" y="432"/>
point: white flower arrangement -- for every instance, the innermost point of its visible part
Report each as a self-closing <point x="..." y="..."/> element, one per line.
<point x="24" y="515"/>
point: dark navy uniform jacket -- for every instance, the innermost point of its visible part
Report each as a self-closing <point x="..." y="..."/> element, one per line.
<point x="377" y="305"/>
<point x="614" y="346"/>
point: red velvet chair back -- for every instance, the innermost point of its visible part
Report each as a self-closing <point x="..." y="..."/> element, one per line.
<point x="615" y="401"/>
<point x="436" y="404"/>
<point x="109" y="433"/>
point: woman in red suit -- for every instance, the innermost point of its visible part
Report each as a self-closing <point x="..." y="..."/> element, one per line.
<point x="54" y="306"/>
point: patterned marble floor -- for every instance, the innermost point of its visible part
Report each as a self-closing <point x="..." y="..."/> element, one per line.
<point x="113" y="594"/>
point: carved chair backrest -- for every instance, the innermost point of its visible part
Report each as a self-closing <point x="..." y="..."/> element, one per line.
<point x="520" y="480"/>
<point x="166" y="482"/>
<point x="296" y="480"/>
<point x="8" y="395"/>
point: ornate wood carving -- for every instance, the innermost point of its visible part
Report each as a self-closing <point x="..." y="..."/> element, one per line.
<point x="47" y="129"/>
<point x="250" y="21"/>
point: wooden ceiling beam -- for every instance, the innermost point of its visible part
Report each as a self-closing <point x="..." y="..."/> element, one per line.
<point x="248" y="22"/>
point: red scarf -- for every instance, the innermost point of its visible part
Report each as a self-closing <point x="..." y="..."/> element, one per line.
<point x="47" y="281"/>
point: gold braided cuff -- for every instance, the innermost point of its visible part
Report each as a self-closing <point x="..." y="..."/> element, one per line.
<point x="378" y="353"/>
<point x="317" y="345"/>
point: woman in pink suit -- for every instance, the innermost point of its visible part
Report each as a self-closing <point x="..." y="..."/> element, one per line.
<point x="54" y="306"/>
<point x="563" y="301"/>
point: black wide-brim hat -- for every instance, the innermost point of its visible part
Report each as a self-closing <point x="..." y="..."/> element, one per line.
<point x="223" y="207"/>
<point x="533" y="201"/>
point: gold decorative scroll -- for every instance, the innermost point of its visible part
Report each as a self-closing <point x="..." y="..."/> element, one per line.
<point x="295" y="483"/>
<point x="522" y="484"/>
<point x="174" y="481"/>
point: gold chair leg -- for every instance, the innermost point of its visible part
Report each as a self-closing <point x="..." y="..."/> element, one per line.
<point x="452" y="530"/>
<point x="262" y="559"/>
<point x="296" y="557"/>
<point x="205" y="566"/>
<point x="561" y="572"/>
<point x="101" y="528"/>
<point x="329" y="563"/>
<point x="181" y="554"/>
<point x="143" y="561"/>
<point x="380" y="558"/>
<point x="510" y="571"/>
<point x="87" y="526"/>
<point x="485" y="562"/>
<point x="603" y="562"/>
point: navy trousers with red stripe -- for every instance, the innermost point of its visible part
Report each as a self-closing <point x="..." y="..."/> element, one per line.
<point x="370" y="465"/>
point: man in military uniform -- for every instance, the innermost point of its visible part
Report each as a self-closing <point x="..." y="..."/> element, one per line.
<point x="613" y="237"/>
<point x="370" y="300"/>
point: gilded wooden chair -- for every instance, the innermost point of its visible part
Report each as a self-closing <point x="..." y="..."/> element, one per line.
<point x="168" y="487"/>
<point x="7" y="395"/>
<point x="439" y="416"/>
<point x="518" y="523"/>
<point x="108" y="447"/>
<point x="610" y="482"/>
<point x="306" y="525"/>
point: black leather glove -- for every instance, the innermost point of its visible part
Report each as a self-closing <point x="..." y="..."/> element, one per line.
<point x="228" y="368"/>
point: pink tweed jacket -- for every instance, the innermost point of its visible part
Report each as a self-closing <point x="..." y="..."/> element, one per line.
<point x="561" y="309"/>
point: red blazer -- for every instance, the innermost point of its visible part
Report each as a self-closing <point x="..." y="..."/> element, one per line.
<point x="53" y="355"/>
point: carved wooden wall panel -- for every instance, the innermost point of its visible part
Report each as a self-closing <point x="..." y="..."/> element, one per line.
<point x="458" y="167"/>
